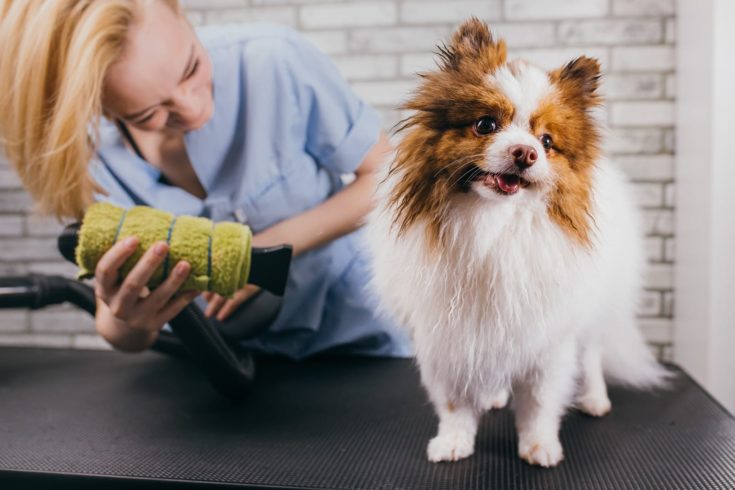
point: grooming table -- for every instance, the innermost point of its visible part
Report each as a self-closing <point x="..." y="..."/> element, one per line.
<point x="82" y="419"/>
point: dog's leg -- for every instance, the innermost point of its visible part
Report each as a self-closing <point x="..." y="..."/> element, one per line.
<point x="592" y="398"/>
<point x="458" y="420"/>
<point x="495" y="400"/>
<point x="540" y="401"/>
<point x="456" y="437"/>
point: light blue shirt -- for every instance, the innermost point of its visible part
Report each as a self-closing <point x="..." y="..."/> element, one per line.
<point x="285" y="127"/>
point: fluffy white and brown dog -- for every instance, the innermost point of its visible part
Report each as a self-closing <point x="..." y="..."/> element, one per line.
<point x="509" y="248"/>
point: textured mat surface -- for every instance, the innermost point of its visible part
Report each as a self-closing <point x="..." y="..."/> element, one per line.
<point x="330" y="423"/>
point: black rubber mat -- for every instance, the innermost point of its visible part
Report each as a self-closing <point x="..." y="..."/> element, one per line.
<point x="87" y="419"/>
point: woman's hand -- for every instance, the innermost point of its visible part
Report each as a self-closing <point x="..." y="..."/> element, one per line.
<point x="224" y="307"/>
<point x="129" y="315"/>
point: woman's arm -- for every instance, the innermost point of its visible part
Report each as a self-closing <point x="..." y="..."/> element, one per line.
<point x="340" y="214"/>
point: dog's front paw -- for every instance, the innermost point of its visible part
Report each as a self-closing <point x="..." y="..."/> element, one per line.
<point x="547" y="453"/>
<point x="597" y="406"/>
<point x="451" y="446"/>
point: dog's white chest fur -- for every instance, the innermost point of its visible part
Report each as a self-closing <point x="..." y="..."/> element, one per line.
<point x="483" y="309"/>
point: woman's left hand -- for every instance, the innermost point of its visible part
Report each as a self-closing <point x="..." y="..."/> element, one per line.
<point x="224" y="307"/>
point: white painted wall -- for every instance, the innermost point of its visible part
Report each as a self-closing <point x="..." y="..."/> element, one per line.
<point x="705" y="220"/>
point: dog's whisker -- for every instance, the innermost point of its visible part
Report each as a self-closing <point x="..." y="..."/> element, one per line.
<point x="459" y="162"/>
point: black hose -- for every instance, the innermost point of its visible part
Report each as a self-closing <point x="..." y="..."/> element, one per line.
<point x="230" y="371"/>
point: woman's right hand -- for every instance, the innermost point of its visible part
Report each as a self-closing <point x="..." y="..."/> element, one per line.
<point x="129" y="315"/>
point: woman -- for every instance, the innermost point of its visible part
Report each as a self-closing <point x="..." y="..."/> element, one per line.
<point x="122" y="101"/>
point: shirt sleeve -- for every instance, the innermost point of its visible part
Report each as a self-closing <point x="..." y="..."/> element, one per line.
<point x="340" y="127"/>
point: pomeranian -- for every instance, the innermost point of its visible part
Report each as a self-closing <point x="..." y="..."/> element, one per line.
<point x="509" y="248"/>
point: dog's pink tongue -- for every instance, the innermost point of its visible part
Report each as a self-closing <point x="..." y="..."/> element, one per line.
<point x="508" y="183"/>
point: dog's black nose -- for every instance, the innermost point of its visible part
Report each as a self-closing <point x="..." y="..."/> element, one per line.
<point x="523" y="156"/>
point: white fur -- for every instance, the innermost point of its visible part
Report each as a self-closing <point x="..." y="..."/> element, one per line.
<point x="513" y="302"/>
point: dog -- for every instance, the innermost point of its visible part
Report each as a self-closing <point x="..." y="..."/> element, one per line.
<point x="509" y="247"/>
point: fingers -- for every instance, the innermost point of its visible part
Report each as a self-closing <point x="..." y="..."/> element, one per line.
<point x="130" y="290"/>
<point x="240" y="297"/>
<point x="227" y="309"/>
<point x="214" y="305"/>
<point x="106" y="273"/>
<point x="175" y="306"/>
<point x="165" y="291"/>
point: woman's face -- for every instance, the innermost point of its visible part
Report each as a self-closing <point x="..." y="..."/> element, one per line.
<point x="163" y="80"/>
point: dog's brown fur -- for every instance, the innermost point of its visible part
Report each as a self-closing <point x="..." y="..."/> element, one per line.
<point x="440" y="146"/>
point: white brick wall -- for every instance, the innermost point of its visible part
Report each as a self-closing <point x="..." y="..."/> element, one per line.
<point x="379" y="45"/>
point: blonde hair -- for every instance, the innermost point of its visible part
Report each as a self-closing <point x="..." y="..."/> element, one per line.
<point x="54" y="55"/>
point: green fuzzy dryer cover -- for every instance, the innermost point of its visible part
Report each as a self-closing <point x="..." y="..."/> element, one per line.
<point x="219" y="254"/>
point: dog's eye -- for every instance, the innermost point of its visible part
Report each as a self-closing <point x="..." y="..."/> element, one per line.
<point x="547" y="141"/>
<point x="486" y="125"/>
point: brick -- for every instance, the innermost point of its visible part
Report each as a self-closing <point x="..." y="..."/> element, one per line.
<point x="666" y="353"/>
<point x="647" y="167"/>
<point x="649" y="195"/>
<point x="12" y="268"/>
<point x="289" y="2"/>
<point x="552" y="58"/>
<point x="668" y="304"/>
<point x="649" y="304"/>
<point x="671" y="86"/>
<point x="670" y="31"/>
<point x="362" y="67"/>
<point x="15" y="202"/>
<point x="384" y="93"/>
<point x="349" y="15"/>
<point x="212" y="4"/>
<point x="670" y="196"/>
<point x="13" y="321"/>
<point x="396" y="39"/>
<point x="643" y="58"/>
<point x="417" y="63"/>
<point x="36" y="340"/>
<point x="654" y="249"/>
<point x="60" y="268"/>
<point x="9" y="179"/>
<point x="90" y="342"/>
<point x="634" y="141"/>
<point x="29" y="249"/>
<point x="632" y="86"/>
<point x="554" y="9"/>
<point x="660" y="276"/>
<point x="658" y="330"/>
<point x="389" y="117"/>
<point x="526" y="34"/>
<point x="658" y="222"/>
<point x="670" y="141"/>
<point x="610" y="32"/>
<point x="40" y="226"/>
<point x="670" y="250"/>
<point x="330" y="42"/>
<point x="643" y="7"/>
<point x="425" y="12"/>
<point x="643" y="113"/>
<point x="61" y="319"/>
<point x="11" y="226"/>
<point x="277" y="15"/>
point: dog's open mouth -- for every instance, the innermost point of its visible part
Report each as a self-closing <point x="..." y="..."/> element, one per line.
<point x="507" y="184"/>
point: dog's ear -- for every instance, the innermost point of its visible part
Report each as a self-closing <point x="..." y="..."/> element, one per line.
<point x="580" y="78"/>
<point x="474" y="41"/>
